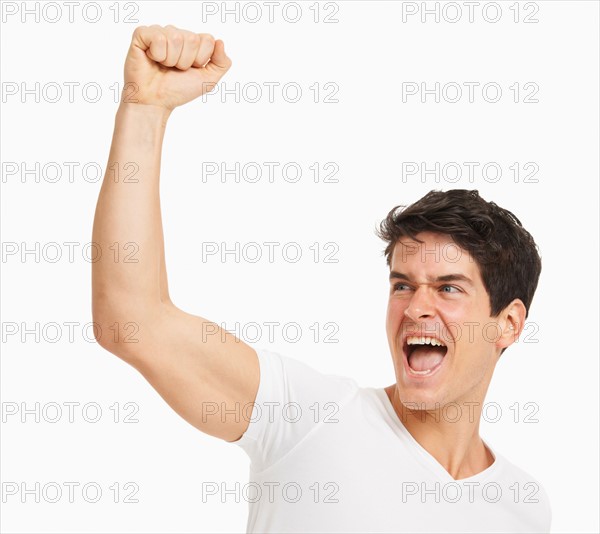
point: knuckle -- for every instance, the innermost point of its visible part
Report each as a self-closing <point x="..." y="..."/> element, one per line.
<point x="174" y="35"/>
<point x="194" y="39"/>
<point x="137" y="32"/>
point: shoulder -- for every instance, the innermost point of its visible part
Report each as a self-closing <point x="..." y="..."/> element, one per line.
<point x="290" y="393"/>
<point x="297" y="379"/>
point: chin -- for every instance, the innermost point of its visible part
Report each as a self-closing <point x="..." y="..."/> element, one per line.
<point x="423" y="399"/>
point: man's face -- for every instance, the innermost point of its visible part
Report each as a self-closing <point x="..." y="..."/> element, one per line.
<point x="436" y="291"/>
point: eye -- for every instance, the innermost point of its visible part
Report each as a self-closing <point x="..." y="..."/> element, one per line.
<point x="400" y="285"/>
<point x="445" y="288"/>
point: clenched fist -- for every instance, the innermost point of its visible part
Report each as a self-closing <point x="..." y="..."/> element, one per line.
<point x="167" y="66"/>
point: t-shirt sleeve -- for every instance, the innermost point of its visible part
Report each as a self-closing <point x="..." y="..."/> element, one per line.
<point x="292" y="400"/>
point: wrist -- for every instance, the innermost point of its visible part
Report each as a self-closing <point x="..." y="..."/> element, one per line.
<point x="147" y="112"/>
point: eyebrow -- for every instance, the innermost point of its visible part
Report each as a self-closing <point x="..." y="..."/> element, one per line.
<point x="454" y="277"/>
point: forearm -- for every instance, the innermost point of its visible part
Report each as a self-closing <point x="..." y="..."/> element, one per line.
<point x="129" y="212"/>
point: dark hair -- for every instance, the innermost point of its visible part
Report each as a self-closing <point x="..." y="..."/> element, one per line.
<point x="505" y="252"/>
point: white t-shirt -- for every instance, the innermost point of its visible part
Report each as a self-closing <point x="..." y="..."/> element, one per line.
<point x="330" y="456"/>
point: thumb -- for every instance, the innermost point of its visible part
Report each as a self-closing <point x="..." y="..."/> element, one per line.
<point x="219" y="61"/>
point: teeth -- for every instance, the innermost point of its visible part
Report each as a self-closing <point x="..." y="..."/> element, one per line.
<point x="425" y="372"/>
<point x="415" y="340"/>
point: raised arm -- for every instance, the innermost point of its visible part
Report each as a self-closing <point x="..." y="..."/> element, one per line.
<point x="191" y="362"/>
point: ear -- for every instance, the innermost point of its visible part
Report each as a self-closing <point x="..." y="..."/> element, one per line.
<point x="512" y="322"/>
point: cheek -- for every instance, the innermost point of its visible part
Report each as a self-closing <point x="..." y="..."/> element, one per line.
<point x="460" y="324"/>
<point x="395" y="313"/>
<point x="457" y="314"/>
<point x="476" y="332"/>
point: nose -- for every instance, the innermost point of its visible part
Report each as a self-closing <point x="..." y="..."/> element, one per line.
<point x="420" y="305"/>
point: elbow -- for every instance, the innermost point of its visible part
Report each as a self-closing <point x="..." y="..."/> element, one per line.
<point x="116" y="330"/>
<point x="107" y="333"/>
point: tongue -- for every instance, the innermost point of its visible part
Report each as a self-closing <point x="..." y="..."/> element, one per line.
<point x="426" y="357"/>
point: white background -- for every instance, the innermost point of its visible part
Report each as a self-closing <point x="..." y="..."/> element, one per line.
<point x="369" y="53"/>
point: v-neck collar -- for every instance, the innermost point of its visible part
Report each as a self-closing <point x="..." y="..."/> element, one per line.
<point x="427" y="459"/>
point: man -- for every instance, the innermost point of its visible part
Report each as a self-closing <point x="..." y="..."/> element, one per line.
<point x="327" y="455"/>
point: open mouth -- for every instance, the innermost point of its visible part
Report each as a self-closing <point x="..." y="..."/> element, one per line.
<point x="424" y="355"/>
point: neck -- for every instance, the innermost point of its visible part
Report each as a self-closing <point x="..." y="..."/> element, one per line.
<point x="451" y="439"/>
